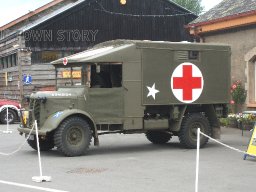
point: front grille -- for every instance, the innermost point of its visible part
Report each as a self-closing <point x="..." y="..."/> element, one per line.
<point x="34" y="107"/>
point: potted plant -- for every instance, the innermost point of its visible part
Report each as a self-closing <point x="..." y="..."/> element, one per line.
<point x="247" y="121"/>
<point x="232" y="120"/>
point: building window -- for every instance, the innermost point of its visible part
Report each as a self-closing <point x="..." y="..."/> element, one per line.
<point x="1" y="63"/>
<point x="5" y="62"/>
<point x="14" y="62"/>
<point x="8" y="61"/>
<point x="49" y="56"/>
<point x="250" y="72"/>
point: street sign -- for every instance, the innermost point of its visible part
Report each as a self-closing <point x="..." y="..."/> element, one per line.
<point x="27" y="79"/>
<point x="75" y="74"/>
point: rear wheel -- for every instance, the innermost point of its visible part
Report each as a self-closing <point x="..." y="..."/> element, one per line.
<point x="158" y="137"/>
<point x="73" y="137"/>
<point x="188" y="132"/>
<point x="12" y="116"/>
<point x="44" y="144"/>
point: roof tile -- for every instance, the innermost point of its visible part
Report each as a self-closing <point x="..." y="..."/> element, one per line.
<point x="227" y="8"/>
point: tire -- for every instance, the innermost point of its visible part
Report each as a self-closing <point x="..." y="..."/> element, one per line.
<point x="12" y="116"/>
<point x="45" y="145"/>
<point x="188" y="132"/>
<point x="158" y="137"/>
<point x="73" y="137"/>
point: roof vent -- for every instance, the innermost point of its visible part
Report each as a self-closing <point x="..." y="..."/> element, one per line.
<point x="181" y="55"/>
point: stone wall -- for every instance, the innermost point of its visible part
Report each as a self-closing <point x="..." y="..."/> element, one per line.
<point x="242" y="42"/>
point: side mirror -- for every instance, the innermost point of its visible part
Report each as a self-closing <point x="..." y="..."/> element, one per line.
<point x="27" y="99"/>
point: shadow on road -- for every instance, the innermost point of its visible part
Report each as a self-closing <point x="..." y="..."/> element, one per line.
<point x="123" y="149"/>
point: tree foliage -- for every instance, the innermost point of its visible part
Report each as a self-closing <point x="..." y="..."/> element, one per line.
<point x="192" y="5"/>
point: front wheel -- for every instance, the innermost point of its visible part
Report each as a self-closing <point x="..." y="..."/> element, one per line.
<point x="188" y="132"/>
<point x="12" y="116"/>
<point x="73" y="137"/>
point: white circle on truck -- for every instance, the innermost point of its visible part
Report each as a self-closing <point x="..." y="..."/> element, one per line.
<point x="187" y="82"/>
<point x="65" y="61"/>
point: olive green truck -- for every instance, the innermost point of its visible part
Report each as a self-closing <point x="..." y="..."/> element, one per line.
<point x="162" y="89"/>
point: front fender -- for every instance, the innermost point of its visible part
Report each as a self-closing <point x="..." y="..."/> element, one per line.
<point x="54" y="120"/>
<point x="11" y="107"/>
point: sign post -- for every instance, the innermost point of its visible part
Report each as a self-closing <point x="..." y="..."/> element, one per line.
<point x="40" y="178"/>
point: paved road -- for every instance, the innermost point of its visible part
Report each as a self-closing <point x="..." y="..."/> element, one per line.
<point x="125" y="163"/>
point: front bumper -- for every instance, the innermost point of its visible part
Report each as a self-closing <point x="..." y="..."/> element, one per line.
<point x="27" y="131"/>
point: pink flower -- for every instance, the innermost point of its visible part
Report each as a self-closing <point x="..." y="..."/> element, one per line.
<point x="234" y="86"/>
<point x="232" y="102"/>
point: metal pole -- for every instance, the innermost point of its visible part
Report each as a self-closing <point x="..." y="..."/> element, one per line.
<point x="19" y="64"/>
<point x="7" y="121"/>
<point x="38" y="149"/>
<point x="40" y="178"/>
<point x="197" y="159"/>
<point x="7" y="118"/>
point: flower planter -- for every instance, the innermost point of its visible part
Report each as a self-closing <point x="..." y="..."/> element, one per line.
<point x="233" y="123"/>
<point x="247" y="126"/>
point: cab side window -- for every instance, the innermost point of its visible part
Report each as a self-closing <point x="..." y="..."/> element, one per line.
<point x="106" y="76"/>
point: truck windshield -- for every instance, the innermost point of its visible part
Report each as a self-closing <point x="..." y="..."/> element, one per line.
<point x="72" y="76"/>
<point x="101" y="75"/>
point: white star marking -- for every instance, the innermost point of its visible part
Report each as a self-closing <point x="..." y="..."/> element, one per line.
<point x="152" y="91"/>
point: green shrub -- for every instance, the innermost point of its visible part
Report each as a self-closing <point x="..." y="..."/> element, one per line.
<point x="224" y="122"/>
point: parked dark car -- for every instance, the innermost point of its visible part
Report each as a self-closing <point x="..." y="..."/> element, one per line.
<point x="13" y="111"/>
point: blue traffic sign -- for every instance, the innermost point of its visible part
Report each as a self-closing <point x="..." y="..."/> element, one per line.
<point x="27" y="79"/>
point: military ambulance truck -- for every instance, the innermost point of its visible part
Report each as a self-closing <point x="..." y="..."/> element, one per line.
<point x="161" y="89"/>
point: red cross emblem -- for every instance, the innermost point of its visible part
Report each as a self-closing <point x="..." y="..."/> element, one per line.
<point x="187" y="82"/>
<point x="65" y="61"/>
